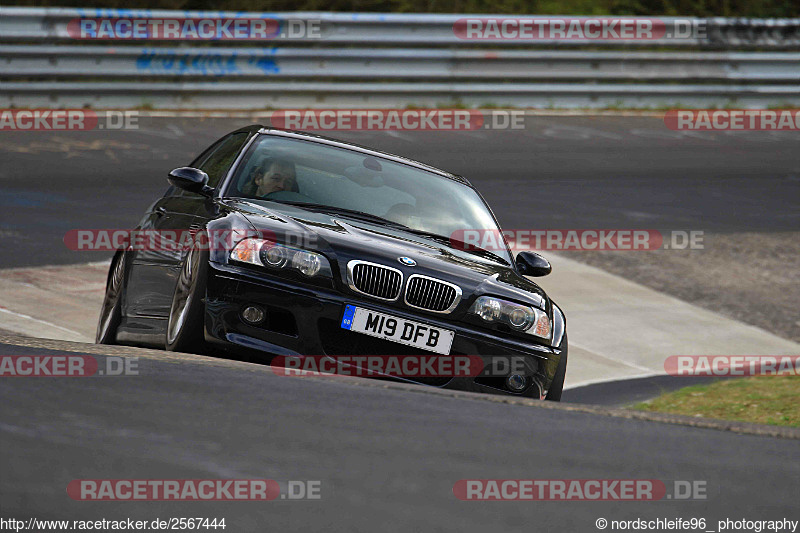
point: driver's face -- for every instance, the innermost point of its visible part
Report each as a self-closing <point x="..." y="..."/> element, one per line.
<point x="279" y="177"/>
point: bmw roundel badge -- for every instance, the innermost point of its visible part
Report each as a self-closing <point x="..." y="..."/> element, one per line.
<point x="407" y="261"/>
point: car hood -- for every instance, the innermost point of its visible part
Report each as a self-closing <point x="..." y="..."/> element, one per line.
<point x="344" y="238"/>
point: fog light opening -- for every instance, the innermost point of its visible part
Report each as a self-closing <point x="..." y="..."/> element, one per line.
<point x="516" y="383"/>
<point x="253" y="314"/>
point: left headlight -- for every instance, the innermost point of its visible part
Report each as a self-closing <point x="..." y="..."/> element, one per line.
<point x="265" y="253"/>
<point x="519" y="317"/>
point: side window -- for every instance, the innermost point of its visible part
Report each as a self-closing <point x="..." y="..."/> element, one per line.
<point x="221" y="157"/>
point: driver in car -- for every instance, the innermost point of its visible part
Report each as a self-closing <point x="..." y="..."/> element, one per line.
<point x="279" y="176"/>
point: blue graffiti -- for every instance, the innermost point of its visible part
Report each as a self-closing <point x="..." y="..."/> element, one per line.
<point x="265" y="64"/>
<point x="210" y="64"/>
<point x="205" y="64"/>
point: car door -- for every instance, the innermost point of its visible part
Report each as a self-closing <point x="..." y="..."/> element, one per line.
<point x="155" y="269"/>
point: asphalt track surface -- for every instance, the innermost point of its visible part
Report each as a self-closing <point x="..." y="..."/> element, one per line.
<point x="624" y="393"/>
<point x="387" y="458"/>
<point x="559" y="172"/>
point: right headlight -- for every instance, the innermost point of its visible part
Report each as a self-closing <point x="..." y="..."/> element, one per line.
<point x="266" y="253"/>
<point x="519" y="317"/>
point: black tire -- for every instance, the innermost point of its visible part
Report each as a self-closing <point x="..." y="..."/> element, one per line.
<point x="111" y="312"/>
<point x="185" y="328"/>
<point x="557" y="386"/>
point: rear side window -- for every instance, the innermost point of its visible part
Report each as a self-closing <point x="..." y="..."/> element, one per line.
<point x="221" y="157"/>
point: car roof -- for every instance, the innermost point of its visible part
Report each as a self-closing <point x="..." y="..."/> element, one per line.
<point x="267" y="130"/>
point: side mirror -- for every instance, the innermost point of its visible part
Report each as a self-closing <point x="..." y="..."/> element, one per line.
<point x="533" y="264"/>
<point x="190" y="179"/>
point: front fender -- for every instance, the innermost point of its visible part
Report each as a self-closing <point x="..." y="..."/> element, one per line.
<point x="226" y="231"/>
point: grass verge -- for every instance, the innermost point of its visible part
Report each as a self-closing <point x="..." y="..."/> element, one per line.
<point x="773" y="400"/>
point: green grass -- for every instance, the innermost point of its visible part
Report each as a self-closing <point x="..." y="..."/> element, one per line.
<point x="773" y="400"/>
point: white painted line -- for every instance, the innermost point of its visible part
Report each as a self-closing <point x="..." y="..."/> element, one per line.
<point x="39" y="321"/>
<point x="616" y="360"/>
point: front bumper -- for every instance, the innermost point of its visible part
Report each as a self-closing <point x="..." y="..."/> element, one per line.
<point x="305" y="319"/>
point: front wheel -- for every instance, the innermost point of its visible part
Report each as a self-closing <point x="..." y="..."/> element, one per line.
<point x="187" y="312"/>
<point x="557" y="386"/>
<point x="111" y="312"/>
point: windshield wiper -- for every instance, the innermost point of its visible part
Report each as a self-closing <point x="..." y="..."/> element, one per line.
<point x="454" y="243"/>
<point x="472" y="249"/>
<point x="344" y="211"/>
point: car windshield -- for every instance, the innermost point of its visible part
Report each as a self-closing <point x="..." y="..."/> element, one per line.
<point x="299" y="172"/>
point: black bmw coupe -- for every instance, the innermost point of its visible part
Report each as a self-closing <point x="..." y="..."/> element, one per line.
<point x="307" y="246"/>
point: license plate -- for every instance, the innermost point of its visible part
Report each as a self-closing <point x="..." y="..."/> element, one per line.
<point x="396" y="329"/>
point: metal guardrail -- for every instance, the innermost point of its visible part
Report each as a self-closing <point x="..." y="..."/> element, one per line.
<point x="73" y="62"/>
<point x="31" y="24"/>
<point x="355" y="61"/>
<point x="301" y="95"/>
